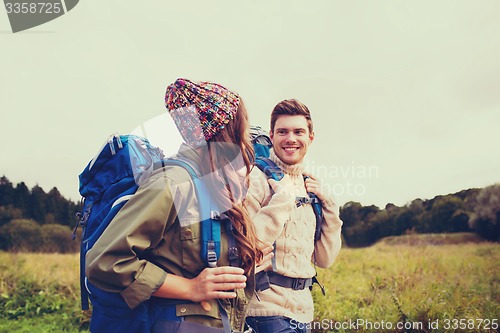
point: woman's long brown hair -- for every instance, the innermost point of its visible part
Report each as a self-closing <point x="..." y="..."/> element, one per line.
<point x="233" y="140"/>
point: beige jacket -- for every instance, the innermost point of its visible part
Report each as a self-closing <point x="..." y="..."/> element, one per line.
<point x="278" y="219"/>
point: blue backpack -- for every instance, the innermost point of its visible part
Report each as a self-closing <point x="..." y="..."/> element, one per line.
<point x="106" y="184"/>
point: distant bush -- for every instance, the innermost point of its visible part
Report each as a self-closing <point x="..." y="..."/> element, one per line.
<point x="486" y="217"/>
<point x="57" y="238"/>
<point x="9" y="213"/>
<point x="21" y="235"/>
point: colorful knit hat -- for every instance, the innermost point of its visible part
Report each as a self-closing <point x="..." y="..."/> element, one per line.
<point x="200" y="110"/>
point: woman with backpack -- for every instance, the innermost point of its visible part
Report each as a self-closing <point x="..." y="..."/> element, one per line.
<point x="154" y="253"/>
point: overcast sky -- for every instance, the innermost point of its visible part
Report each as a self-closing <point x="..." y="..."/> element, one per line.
<point x="405" y="96"/>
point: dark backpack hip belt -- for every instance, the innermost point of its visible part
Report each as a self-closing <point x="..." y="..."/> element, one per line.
<point x="265" y="279"/>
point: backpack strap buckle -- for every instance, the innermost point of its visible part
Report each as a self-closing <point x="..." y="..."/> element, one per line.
<point x="299" y="201"/>
<point x="312" y="199"/>
<point x="233" y="256"/>
<point x="85" y="216"/>
<point x="298" y="284"/>
<point x="81" y="219"/>
<point x="211" y="255"/>
<point x="215" y="215"/>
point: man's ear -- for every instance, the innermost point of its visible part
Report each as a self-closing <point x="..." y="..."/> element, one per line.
<point x="311" y="137"/>
<point x="271" y="136"/>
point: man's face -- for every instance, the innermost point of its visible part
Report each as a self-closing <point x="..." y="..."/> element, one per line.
<point x="291" y="138"/>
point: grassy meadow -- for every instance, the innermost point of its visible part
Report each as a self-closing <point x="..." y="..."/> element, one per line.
<point x="415" y="286"/>
<point x="39" y="292"/>
<point x="420" y="287"/>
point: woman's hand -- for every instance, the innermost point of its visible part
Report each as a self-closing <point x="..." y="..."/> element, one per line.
<point x="265" y="262"/>
<point x="218" y="282"/>
<point x="211" y="283"/>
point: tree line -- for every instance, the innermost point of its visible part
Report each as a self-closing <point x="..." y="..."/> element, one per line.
<point x="35" y="220"/>
<point x="472" y="210"/>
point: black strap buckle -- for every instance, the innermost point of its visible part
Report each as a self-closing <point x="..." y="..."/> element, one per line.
<point x="298" y="284"/>
<point x="232" y="254"/>
<point x="299" y="201"/>
<point x="312" y="199"/>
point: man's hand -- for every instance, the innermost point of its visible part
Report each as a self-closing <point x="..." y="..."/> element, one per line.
<point x="314" y="186"/>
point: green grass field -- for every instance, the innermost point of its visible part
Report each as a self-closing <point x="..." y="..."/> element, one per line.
<point x="413" y="286"/>
<point x="420" y="288"/>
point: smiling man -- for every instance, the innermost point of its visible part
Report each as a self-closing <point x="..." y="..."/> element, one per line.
<point x="293" y="136"/>
<point x="283" y="216"/>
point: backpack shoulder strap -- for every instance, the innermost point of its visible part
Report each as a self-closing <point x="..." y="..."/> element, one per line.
<point x="210" y="217"/>
<point x="318" y="212"/>
<point x="269" y="168"/>
<point x="210" y="224"/>
<point x="272" y="171"/>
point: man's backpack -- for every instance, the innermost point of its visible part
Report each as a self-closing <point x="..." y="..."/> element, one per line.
<point x="110" y="179"/>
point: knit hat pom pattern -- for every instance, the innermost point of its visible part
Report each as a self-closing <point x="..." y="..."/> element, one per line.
<point x="200" y="110"/>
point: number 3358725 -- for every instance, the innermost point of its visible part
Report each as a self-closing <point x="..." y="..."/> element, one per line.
<point x="33" y="8"/>
<point x="485" y="324"/>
